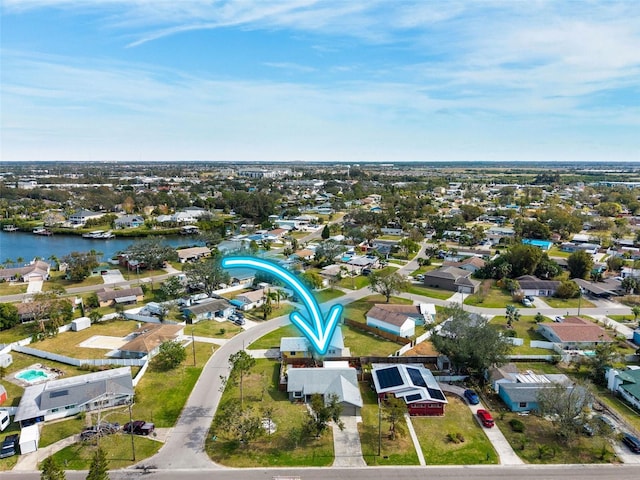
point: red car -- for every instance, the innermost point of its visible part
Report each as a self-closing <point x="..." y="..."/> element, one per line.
<point x="485" y="417"/>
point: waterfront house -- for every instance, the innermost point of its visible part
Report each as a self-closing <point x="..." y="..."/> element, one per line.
<point x="36" y="270"/>
<point x="193" y="253"/>
<point x="129" y="221"/>
<point x="80" y="217"/>
<point x="68" y="396"/>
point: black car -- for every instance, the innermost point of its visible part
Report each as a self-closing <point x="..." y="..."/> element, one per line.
<point x="632" y="442"/>
<point x="9" y="446"/>
<point x="139" y="427"/>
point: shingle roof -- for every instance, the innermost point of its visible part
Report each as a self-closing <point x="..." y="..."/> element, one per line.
<point x="214" y="305"/>
<point x="107" y="295"/>
<point x="340" y="381"/>
<point x="576" y="329"/>
<point x="529" y="282"/>
<point x="394" y="314"/>
<point x="148" y="337"/>
<point x="452" y="273"/>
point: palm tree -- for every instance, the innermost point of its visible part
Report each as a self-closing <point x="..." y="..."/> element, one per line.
<point x="636" y="312"/>
<point x="513" y="315"/>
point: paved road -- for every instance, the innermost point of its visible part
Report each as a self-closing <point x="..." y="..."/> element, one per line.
<point x="475" y="472"/>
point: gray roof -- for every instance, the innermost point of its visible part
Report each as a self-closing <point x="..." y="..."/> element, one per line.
<point x="214" y="305"/>
<point x="82" y="389"/>
<point x="106" y="295"/>
<point x="528" y="282"/>
<point x="294" y="344"/>
<point x="452" y="273"/>
<point x="324" y="381"/>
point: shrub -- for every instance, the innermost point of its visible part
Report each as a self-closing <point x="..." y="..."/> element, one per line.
<point x="456" y="437"/>
<point x="516" y="425"/>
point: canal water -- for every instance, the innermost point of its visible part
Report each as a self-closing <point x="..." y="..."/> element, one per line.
<point x="27" y="246"/>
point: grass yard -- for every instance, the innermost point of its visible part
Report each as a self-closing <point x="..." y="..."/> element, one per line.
<point x="458" y="419"/>
<point x="623" y="318"/>
<point x="360" y="343"/>
<point x="429" y="292"/>
<point x="53" y="431"/>
<point x="354" y="283"/>
<point x="525" y="329"/>
<point x="285" y="447"/>
<point x="620" y="407"/>
<point x="495" y="298"/>
<point x="58" y="280"/>
<point x="358" y="310"/>
<point x="540" y="445"/>
<point x="423" y="270"/>
<point x="117" y="447"/>
<point x="328" y="294"/>
<point x="7" y="288"/>
<point x="554" y="302"/>
<point x="214" y="329"/>
<point x="283" y="309"/>
<point x="68" y="343"/>
<point x="393" y="452"/>
<point x="18" y="332"/>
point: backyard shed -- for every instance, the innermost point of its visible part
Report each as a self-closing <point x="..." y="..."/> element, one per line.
<point x="5" y="360"/>
<point x="29" y="439"/>
<point x="80" y="324"/>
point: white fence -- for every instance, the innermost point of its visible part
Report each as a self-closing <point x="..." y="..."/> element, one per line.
<point x="515" y="341"/>
<point x="542" y="344"/>
<point x="124" y="362"/>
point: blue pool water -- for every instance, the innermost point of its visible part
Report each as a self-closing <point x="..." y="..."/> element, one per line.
<point x="32" y="375"/>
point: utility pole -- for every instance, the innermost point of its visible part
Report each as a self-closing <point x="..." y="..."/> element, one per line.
<point x="379" y="427"/>
<point x="193" y="345"/>
<point x="133" y="447"/>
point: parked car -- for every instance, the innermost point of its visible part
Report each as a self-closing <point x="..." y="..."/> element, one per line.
<point x="559" y="319"/>
<point x="632" y="442"/>
<point x="527" y="303"/>
<point x="606" y="421"/>
<point x="420" y="277"/>
<point x="139" y="427"/>
<point x="9" y="446"/>
<point x="366" y="271"/>
<point x="485" y="418"/>
<point x="239" y="321"/>
<point x="471" y="396"/>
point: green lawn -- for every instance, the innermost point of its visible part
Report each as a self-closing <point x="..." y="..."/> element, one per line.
<point x="211" y="328"/>
<point x="68" y="343"/>
<point x="358" y="310"/>
<point x="7" y="289"/>
<point x="19" y="332"/>
<point x="360" y="343"/>
<point x="430" y="292"/>
<point x="525" y="328"/>
<point x="354" y="283"/>
<point x="285" y="447"/>
<point x="495" y="298"/>
<point x="554" y="302"/>
<point x="283" y="309"/>
<point x="539" y="444"/>
<point x="53" y="431"/>
<point x="393" y="452"/>
<point x="556" y="252"/>
<point x="438" y="450"/>
<point x="423" y="270"/>
<point x="328" y="294"/>
<point x="118" y="448"/>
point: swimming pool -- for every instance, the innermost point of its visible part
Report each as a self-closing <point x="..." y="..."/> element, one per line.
<point x="33" y="375"/>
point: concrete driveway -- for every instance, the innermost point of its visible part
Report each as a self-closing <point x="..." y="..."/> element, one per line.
<point x="346" y="444"/>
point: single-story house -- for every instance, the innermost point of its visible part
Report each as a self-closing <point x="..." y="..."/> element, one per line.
<point x="300" y="347"/>
<point x="571" y="247"/>
<point x="41" y="310"/>
<point x="544" y="245"/>
<point x="626" y="383"/>
<point x="66" y="397"/>
<point x="358" y="263"/>
<point x="534" y="286"/>
<point x="495" y="234"/>
<point x="519" y="391"/>
<point x="336" y="378"/>
<point x="211" y="309"/>
<point x="126" y="296"/>
<point x="574" y="333"/>
<point x="36" y="270"/>
<point x="415" y="384"/>
<point x="453" y="279"/>
<point x="304" y="254"/>
<point x="607" y="288"/>
<point x="242" y="276"/>
<point x="193" y="253"/>
<point x="146" y="340"/>
<point x="397" y="319"/>
<point x="250" y="300"/>
<point x="129" y="221"/>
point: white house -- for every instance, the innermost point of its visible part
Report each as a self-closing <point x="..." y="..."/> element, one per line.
<point x="397" y="319"/>
<point x="80" y="217"/>
<point x="626" y="383"/>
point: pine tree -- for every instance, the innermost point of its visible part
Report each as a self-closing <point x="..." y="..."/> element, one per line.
<point x="98" y="468"/>
<point x="51" y="470"/>
<point x="326" y="233"/>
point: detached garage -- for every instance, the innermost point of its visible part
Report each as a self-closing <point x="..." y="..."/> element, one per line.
<point x="29" y="439"/>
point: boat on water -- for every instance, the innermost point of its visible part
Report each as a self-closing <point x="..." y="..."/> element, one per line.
<point x="10" y="228"/>
<point x="189" y="230"/>
<point x="42" y="231"/>
<point x="99" y="235"/>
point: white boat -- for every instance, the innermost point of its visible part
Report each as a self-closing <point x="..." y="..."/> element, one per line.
<point x="42" y="231"/>
<point x="95" y="234"/>
<point x="10" y="228"/>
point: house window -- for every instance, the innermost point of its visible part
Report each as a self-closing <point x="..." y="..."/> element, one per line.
<point x="297" y="394"/>
<point x="54" y="410"/>
<point x="293" y="354"/>
<point x="523" y="404"/>
<point x="69" y="407"/>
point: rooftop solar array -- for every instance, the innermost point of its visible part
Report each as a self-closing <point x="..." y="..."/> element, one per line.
<point x="413" y="397"/>
<point x="416" y="377"/>
<point x="389" y="377"/>
<point x="435" y="394"/>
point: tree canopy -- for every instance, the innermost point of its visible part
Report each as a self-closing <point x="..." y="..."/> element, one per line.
<point x="580" y="264"/>
<point x="387" y="284"/>
<point x="207" y="273"/>
<point x="151" y="252"/>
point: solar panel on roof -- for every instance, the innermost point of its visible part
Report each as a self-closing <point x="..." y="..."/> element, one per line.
<point x="437" y="394"/>
<point x="389" y="377"/>
<point x="416" y="377"/>
<point x="413" y="397"/>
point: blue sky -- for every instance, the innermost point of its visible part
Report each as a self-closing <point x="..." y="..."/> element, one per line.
<point x="337" y="80"/>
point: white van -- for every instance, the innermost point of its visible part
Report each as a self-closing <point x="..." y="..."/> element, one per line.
<point x="4" y="420"/>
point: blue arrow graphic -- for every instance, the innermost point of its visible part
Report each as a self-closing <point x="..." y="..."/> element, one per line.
<point x="319" y="331"/>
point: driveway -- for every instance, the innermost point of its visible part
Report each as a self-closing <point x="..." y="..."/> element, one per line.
<point x="112" y="276"/>
<point x="346" y="444"/>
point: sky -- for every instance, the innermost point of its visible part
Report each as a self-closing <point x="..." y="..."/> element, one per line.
<point x="320" y="80"/>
